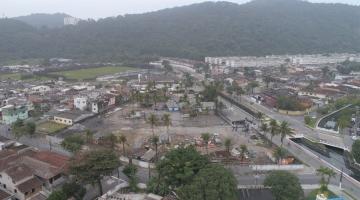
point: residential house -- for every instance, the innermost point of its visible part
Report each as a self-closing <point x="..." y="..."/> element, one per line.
<point x="24" y="172"/>
<point x="11" y="113"/>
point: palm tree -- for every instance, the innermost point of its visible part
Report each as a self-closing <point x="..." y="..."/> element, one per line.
<point x="122" y="139"/>
<point x="259" y="115"/>
<point x="264" y="128"/>
<point x="206" y="138"/>
<point x="228" y="144"/>
<point x="113" y="140"/>
<point x="284" y="130"/>
<point x="153" y="120"/>
<point x="89" y="136"/>
<point x="326" y="175"/>
<point x="154" y="140"/>
<point x="279" y="153"/>
<point x="274" y="128"/>
<point x="243" y="151"/>
<point x="166" y="118"/>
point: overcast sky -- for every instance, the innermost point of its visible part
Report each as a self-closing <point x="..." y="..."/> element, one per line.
<point x="102" y="8"/>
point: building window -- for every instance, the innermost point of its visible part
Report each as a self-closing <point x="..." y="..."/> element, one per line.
<point x="15" y="190"/>
<point x="33" y="190"/>
<point x="26" y="193"/>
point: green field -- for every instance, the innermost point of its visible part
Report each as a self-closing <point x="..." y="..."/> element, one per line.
<point x="49" y="127"/>
<point x="18" y="76"/>
<point x="91" y="73"/>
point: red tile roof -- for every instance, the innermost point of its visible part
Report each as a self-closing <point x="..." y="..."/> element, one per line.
<point x="30" y="184"/>
<point x="19" y="172"/>
<point x="52" y="158"/>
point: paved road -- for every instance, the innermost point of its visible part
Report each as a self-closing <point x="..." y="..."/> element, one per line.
<point x="305" y="155"/>
<point x="299" y="127"/>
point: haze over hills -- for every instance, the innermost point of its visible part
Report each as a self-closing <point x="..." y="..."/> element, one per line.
<point x="40" y="20"/>
<point x="257" y="28"/>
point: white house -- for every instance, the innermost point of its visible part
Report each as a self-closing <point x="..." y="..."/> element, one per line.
<point x="80" y="103"/>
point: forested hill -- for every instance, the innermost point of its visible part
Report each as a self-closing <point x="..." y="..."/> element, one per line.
<point x="207" y="29"/>
<point x="44" y="20"/>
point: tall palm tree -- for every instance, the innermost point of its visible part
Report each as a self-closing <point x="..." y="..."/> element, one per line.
<point x="122" y="140"/>
<point x="166" y="118"/>
<point x="264" y="128"/>
<point x="228" y="144"/>
<point x="153" y="121"/>
<point x="113" y="140"/>
<point x="284" y="130"/>
<point x="274" y="128"/>
<point x="279" y="153"/>
<point x="243" y="151"/>
<point x="326" y="175"/>
<point x="154" y="140"/>
<point x="206" y="138"/>
<point x="259" y="115"/>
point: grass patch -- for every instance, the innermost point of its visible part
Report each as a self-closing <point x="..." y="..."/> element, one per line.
<point x="49" y="127"/>
<point x="91" y="73"/>
<point x="12" y="76"/>
<point x="19" y="76"/>
<point x="312" y="195"/>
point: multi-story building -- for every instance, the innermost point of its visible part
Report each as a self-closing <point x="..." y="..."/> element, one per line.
<point x="11" y="113"/>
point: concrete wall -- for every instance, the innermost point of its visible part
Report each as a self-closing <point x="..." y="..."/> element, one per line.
<point x="276" y="167"/>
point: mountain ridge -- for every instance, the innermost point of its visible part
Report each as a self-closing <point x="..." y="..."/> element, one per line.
<point x="205" y="29"/>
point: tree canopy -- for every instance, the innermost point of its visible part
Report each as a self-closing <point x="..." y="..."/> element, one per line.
<point x="177" y="169"/>
<point x="211" y="183"/>
<point x="92" y="166"/>
<point x="284" y="185"/>
<point x="356" y="150"/>
<point x="194" y="32"/>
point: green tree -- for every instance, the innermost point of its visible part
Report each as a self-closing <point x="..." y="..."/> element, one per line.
<point x="30" y="128"/>
<point x="284" y="131"/>
<point x="228" y="144"/>
<point x="264" y="128"/>
<point x="73" y="189"/>
<point x="274" y="128"/>
<point x="153" y="121"/>
<point x="176" y="169"/>
<point x="252" y="85"/>
<point x="326" y="175"/>
<point x="166" y="118"/>
<point x="259" y="115"/>
<point x="243" y="151"/>
<point x="355" y="150"/>
<point x="57" y="195"/>
<point x="213" y="182"/>
<point x="130" y="171"/>
<point x="92" y="166"/>
<point x="206" y="138"/>
<point x="279" y="153"/>
<point x="17" y="128"/>
<point x="284" y="185"/>
<point x="73" y="143"/>
<point x="154" y="140"/>
<point x="122" y="140"/>
<point x="343" y="122"/>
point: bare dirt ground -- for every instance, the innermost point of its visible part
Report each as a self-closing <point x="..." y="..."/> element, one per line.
<point x="138" y="131"/>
